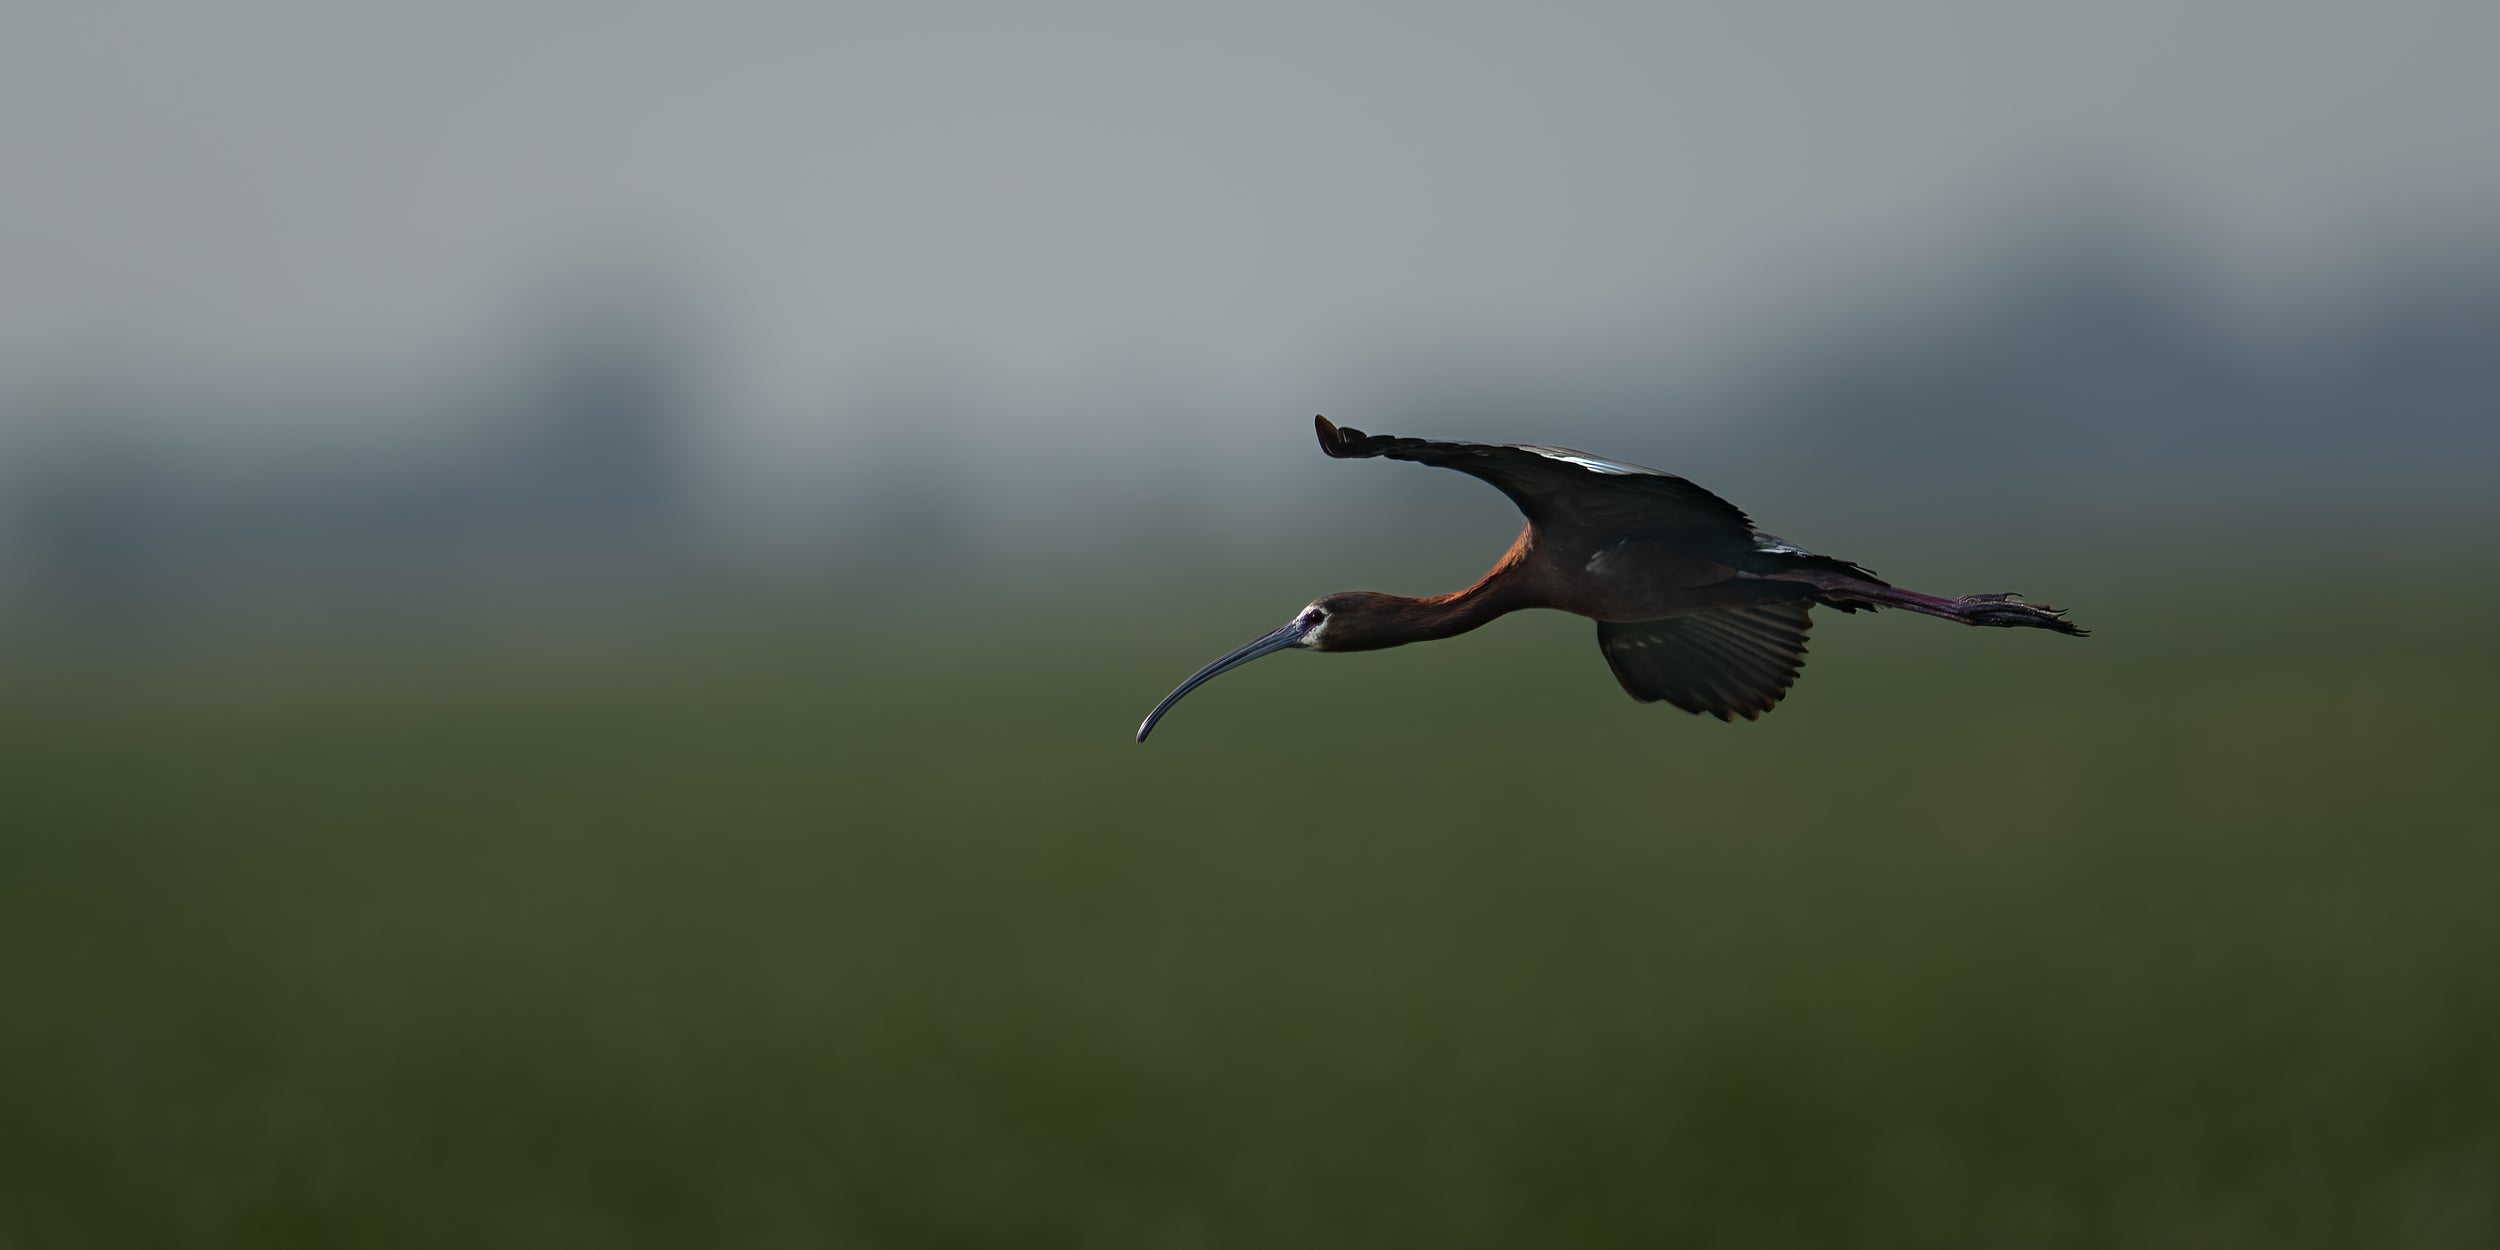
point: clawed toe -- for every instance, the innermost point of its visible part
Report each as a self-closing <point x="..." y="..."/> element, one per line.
<point x="2010" y="610"/>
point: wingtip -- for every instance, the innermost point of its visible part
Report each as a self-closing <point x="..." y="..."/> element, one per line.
<point x="1344" y="442"/>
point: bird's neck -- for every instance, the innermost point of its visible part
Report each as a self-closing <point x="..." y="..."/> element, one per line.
<point x="1497" y="593"/>
<point x="1445" y="616"/>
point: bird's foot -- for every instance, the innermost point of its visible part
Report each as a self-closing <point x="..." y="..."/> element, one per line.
<point x="2009" y="610"/>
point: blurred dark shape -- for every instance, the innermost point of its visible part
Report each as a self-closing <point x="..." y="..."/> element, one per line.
<point x="2101" y="376"/>
<point x="571" y="473"/>
<point x="900" y="483"/>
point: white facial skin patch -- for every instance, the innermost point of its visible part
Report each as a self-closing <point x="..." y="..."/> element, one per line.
<point x="1316" y="623"/>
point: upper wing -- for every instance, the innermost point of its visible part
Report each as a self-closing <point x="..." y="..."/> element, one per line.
<point x="1559" y="484"/>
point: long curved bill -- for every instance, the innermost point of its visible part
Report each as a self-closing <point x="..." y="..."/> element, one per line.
<point x="1290" y="635"/>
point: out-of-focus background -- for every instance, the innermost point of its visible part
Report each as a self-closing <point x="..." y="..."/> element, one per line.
<point x="575" y="581"/>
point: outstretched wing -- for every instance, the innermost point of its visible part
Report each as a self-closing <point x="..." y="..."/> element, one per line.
<point x="1552" y="484"/>
<point x="1729" y="661"/>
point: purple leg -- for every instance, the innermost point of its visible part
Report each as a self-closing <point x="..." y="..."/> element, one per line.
<point x="2003" y="610"/>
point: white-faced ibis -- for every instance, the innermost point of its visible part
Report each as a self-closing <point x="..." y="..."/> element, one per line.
<point x="1693" y="604"/>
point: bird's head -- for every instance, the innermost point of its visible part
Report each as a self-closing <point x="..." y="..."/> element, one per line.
<point x="1351" y="620"/>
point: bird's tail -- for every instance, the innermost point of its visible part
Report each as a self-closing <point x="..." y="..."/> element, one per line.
<point x="2006" y="610"/>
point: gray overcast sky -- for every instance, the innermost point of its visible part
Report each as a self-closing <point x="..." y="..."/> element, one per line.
<point x="1039" y="194"/>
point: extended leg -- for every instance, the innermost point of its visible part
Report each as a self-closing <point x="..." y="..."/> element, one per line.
<point x="2006" y="610"/>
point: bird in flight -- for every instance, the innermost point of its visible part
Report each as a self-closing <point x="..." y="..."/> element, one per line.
<point x="1694" y="606"/>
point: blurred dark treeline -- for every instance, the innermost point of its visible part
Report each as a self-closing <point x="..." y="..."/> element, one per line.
<point x="2090" y="383"/>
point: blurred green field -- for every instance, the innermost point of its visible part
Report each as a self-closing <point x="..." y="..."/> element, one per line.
<point x="2180" y="936"/>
